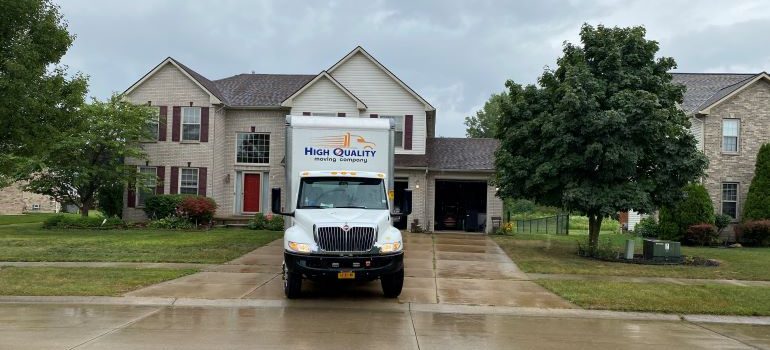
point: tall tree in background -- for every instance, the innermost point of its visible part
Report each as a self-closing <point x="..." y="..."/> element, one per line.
<point x="37" y="99"/>
<point x="484" y="123"/>
<point x="90" y="158"/>
<point x="601" y="133"/>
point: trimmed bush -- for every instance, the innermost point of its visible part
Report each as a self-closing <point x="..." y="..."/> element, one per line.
<point x="701" y="234"/>
<point x="110" y="200"/>
<point x="270" y="222"/>
<point x="694" y="208"/>
<point x="647" y="227"/>
<point x="171" y="222"/>
<point x="91" y="222"/>
<point x="755" y="233"/>
<point x="721" y="221"/>
<point x="198" y="209"/>
<point x="163" y="205"/>
<point x="757" y="205"/>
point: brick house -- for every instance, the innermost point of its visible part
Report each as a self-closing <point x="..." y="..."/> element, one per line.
<point x="730" y="115"/>
<point x="14" y="200"/>
<point x="224" y="139"/>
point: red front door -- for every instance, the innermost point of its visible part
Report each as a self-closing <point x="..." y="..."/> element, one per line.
<point x="251" y="193"/>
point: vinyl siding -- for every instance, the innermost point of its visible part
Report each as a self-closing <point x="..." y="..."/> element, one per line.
<point x="324" y="97"/>
<point x="696" y="129"/>
<point x="383" y="96"/>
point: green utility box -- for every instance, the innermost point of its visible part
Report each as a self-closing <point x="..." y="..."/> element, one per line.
<point x="659" y="250"/>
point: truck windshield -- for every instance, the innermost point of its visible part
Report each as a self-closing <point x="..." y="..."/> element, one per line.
<point x="342" y="192"/>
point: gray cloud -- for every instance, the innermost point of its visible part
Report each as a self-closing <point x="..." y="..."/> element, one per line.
<point x="455" y="53"/>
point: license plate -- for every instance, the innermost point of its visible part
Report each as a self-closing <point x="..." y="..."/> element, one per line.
<point x="346" y="275"/>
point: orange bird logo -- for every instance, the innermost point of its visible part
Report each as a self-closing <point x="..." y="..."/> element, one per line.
<point x="344" y="141"/>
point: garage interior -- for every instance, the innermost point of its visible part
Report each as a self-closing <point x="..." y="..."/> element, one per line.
<point x="461" y="205"/>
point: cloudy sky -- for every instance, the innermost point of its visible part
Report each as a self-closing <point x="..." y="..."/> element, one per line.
<point x="454" y="53"/>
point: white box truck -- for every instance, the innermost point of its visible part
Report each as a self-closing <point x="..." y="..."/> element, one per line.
<point x="339" y="178"/>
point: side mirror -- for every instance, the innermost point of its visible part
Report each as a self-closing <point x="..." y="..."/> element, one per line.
<point x="406" y="204"/>
<point x="275" y="202"/>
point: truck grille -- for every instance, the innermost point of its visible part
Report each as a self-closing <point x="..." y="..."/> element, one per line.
<point x="355" y="239"/>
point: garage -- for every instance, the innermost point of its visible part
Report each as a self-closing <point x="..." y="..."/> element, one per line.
<point x="461" y="205"/>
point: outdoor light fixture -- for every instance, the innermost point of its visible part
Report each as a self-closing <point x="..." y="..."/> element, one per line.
<point x="417" y="187"/>
<point x="189" y="164"/>
<point x="146" y="163"/>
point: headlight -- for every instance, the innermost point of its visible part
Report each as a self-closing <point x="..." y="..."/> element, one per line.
<point x="390" y="247"/>
<point x="299" y="247"/>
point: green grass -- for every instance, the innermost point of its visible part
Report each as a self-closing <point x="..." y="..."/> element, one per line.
<point x="557" y="255"/>
<point x="81" y="281"/>
<point x="24" y="218"/>
<point x="30" y="242"/>
<point x="664" y="297"/>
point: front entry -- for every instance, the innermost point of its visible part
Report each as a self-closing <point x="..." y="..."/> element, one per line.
<point x="251" y="187"/>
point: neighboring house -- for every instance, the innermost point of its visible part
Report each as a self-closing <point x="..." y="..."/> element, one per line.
<point x="14" y="200"/>
<point x="731" y="120"/>
<point x="225" y="139"/>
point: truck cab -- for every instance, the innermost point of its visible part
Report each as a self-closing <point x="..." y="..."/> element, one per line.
<point x="340" y="177"/>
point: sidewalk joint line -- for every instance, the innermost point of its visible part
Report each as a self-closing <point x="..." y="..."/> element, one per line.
<point x="135" y="320"/>
<point x="414" y="329"/>
<point x="718" y="333"/>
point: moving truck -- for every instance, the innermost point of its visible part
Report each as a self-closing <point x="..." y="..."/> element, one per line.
<point x="339" y="178"/>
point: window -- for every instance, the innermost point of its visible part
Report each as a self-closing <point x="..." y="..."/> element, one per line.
<point x="730" y="199"/>
<point x="191" y="123"/>
<point x="153" y="127"/>
<point x="146" y="185"/>
<point x="730" y="131"/>
<point x="323" y="114"/>
<point x="399" y="122"/>
<point x="252" y="148"/>
<point x="188" y="181"/>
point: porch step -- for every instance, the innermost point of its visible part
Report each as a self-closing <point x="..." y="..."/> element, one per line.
<point x="232" y="221"/>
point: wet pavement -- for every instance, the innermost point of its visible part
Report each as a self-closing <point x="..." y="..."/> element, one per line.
<point x="442" y="268"/>
<point x="314" y="326"/>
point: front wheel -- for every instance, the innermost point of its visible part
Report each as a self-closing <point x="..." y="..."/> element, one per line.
<point x="392" y="284"/>
<point x="292" y="284"/>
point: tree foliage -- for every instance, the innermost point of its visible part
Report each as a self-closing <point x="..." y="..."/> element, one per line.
<point x="484" y="123"/>
<point x="601" y="133"/>
<point x="757" y="205"/>
<point x="694" y="208"/>
<point x="90" y="157"/>
<point x="37" y="98"/>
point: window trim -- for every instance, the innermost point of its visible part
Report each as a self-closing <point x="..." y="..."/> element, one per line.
<point x="403" y="121"/>
<point x="737" y="137"/>
<point x="138" y="188"/>
<point x="197" y="180"/>
<point x="182" y="124"/>
<point x="252" y="164"/>
<point x="736" y="201"/>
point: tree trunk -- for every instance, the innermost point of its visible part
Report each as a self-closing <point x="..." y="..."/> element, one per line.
<point x="85" y="208"/>
<point x="594" y="226"/>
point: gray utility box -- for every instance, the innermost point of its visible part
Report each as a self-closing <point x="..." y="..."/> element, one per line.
<point x="659" y="250"/>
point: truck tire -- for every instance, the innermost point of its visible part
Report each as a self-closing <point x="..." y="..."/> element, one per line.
<point x="392" y="284"/>
<point x="292" y="284"/>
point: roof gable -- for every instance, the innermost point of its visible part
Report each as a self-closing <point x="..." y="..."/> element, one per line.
<point x="707" y="90"/>
<point x="289" y="101"/>
<point x="360" y="50"/>
<point x="730" y="91"/>
<point x="206" y="85"/>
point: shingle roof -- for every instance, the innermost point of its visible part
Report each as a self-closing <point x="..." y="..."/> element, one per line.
<point x="208" y="84"/>
<point x="703" y="89"/>
<point x="263" y="90"/>
<point x="446" y="153"/>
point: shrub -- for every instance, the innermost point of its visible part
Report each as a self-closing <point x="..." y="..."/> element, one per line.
<point x="270" y="222"/>
<point x="171" y="222"/>
<point x="721" y="221"/>
<point x="757" y="206"/>
<point x="198" y="209"/>
<point x="700" y="234"/>
<point x="755" y="233"/>
<point x="163" y="205"/>
<point x="647" y="227"/>
<point x="110" y="200"/>
<point x="91" y="222"/>
<point x="694" y="208"/>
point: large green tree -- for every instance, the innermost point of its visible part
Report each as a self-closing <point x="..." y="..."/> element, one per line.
<point x="484" y="123"/>
<point x="91" y="158"/>
<point x="601" y="133"/>
<point x="758" y="200"/>
<point x="37" y="98"/>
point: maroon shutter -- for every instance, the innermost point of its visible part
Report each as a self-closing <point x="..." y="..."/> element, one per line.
<point x="161" y="174"/>
<point x="408" y="122"/>
<point x="176" y="122"/>
<point x="162" y="123"/>
<point x="131" y="201"/>
<point x="201" y="181"/>
<point x="174" y="189"/>
<point x="373" y="116"/>
<point x="340" y="114"/>
<point x="306" y="113"/>
<point x="204" y="124"/>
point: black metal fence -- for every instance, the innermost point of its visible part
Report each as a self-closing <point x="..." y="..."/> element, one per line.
<point x="558" y="225"/>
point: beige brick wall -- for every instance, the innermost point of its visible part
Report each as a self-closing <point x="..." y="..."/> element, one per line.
<point x="417" y="178"/>
<point x="13" y="200"/>
<point x="752" y="107"/>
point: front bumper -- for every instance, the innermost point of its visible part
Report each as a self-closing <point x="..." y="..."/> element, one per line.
<point x="366" y="267"/>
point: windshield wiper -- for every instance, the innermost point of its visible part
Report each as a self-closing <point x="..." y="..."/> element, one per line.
<point x="353" y="206"/>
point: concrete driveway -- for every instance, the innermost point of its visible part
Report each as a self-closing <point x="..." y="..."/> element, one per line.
<point x="441" y="268"/>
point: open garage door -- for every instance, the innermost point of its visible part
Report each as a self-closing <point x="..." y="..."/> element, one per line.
<point x="461" y="205"/>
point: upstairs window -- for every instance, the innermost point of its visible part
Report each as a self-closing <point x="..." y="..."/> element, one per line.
<point x="252" y="148"/>
<point x="730" y="199"/>
<point x="147" y="184"/>
<point x="188" y="181"/>
<point x="398" y="120"/>
<point x="153" y="126"/>
<point x="191" y="123"/>
<point x="730" y="135"/>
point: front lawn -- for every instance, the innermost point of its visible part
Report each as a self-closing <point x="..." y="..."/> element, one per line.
<point x="664" y="297"/>
<point x="24" y="218"/>
<point x="32" y="243"/>
<point x="553" y="254"/>
<point x="81" y="281"/>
